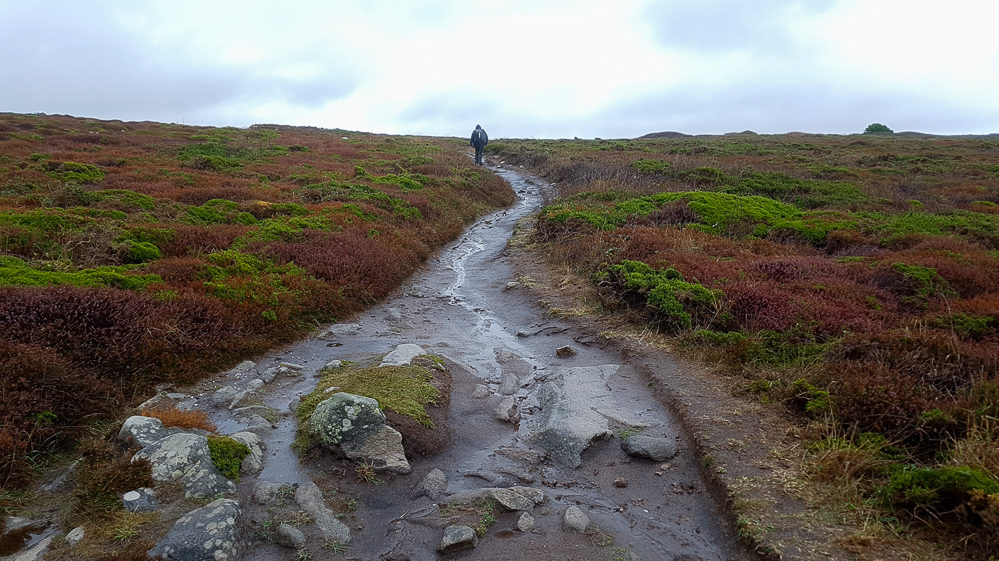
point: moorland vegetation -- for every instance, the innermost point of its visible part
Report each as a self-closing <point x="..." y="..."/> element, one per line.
<point x="851" y="280"/>
<point x="136" y="254"/>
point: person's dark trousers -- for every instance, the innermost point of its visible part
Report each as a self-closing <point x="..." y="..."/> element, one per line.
<point x="478" y="155"/>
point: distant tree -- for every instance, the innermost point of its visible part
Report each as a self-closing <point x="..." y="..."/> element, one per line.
<point x="878" y="128"/>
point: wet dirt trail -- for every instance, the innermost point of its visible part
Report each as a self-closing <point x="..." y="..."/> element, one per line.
<point x="466" y="307"/>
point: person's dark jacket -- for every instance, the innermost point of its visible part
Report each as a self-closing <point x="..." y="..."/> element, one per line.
<point x="479" y="139"/>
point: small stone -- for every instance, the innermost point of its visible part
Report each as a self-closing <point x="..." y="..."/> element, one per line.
<point x="292" y="366"/>
<point x="403" y="355"/>
<point x="509" y="383"/>
<point x="457" y="538"/>
<point x="659" y="474"/>
<point x="434" y="484"/>
<point x="268" y="375"/>
<point x="511" y="285"/>
<point x="256" y="423"/>
<point x="289" y="536"/>
<point x="75" y="535"/>
<point x="565" y="352"/>
<point x="654" y="448"/>
<point x="620" y="482"/>
<point x="664" y="467"/>
<point x="575" y="519"/>
<point x="526" y="522"/>
<point x="506" y="409"/>
<point x="269" y="493"/>
<point x="481" y="390"/>
<point x="523" y="334"/>
<point x="333" y="364"/>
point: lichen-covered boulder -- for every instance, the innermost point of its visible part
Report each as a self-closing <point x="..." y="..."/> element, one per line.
<point x="356" y="425"/>
<point x="185" y="457"/>
<point x="208" y="533"/>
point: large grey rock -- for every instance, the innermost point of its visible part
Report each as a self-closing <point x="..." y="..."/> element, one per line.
<point x="310" y="498"/>
<point x="185" y="457"/>
<point x="142" y="499"/>
<point x="567" y="422"/>
<point x="434" y="484"/>
<point x="254" y="462"/>
<point x="509" y="498"/>
<point x="35" y="552"/>
<point x="457" y="538"/>
<point x="575" y="519"/>
<point x="654" y="448"/>
<point x="356" y="425"/>
<point x="289" y="536"/>
<point x="480" y="391"/>
<point x="208" y="533"/>
<point x="143" y="431"/>
<point x="403" y="354"/>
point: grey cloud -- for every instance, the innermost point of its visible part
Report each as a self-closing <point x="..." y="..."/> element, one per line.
<point x="813" y="107"/>
<point x="77" y="62"/>
<point x="723" y="25"/>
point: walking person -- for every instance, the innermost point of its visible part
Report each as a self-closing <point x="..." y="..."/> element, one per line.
<point x="479" y="141"/>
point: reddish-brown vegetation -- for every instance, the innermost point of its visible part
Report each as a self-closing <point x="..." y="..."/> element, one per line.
<point x="173" y="417"/>
<point x="138" y="253"/>
<point x="863" y="292"/>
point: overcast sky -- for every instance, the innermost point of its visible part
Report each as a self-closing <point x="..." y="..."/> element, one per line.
<point x="531" y="68"/>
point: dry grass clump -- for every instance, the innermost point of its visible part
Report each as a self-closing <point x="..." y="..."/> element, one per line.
<point x="173" y="417"/>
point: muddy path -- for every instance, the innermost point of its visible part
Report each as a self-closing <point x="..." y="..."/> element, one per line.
<point x="468" y="307"/>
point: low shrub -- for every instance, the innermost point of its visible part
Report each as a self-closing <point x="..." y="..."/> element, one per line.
<point x="677" y="304"/>
<point x="946" y="493"/>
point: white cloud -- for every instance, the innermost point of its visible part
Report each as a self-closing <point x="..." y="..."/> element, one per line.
<point x="520" y="68"/>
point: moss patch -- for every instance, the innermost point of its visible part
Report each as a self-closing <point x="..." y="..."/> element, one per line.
<point x="227" y="455"/>
<point x="406" y="390"/>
